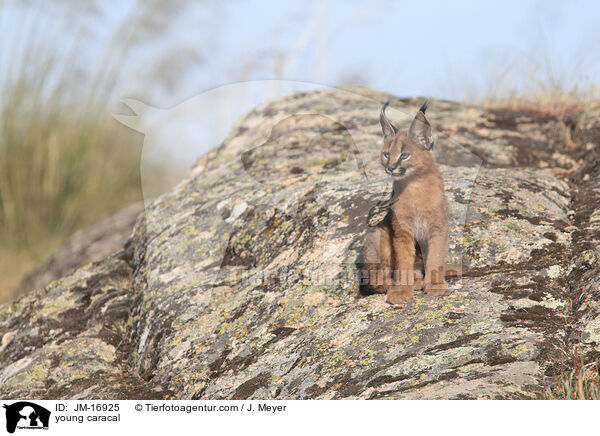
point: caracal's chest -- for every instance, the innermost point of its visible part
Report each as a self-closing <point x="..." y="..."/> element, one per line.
<point x="416" y="209"/>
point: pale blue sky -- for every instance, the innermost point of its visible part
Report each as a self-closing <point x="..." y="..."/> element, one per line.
<point x="434" y="48"/>
<point x="440" y="49"/>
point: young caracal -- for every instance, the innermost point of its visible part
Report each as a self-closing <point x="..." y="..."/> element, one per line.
<point x="417" y="219"/>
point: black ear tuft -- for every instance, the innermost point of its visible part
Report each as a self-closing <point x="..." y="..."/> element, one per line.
<point x="420" y="129"/>
<point x="386" y="126"/>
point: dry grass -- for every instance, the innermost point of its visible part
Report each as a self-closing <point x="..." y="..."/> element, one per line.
<point x="546" y="100"/>
<point x="61" y="168"/>
<point x="64" y="161"/>
<point x="582" y="382"/>
<point x="546" y="91"/>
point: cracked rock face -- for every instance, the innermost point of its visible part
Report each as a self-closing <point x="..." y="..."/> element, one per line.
<point x="240" y="283"/>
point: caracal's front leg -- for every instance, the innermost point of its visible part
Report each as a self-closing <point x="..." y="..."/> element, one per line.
<point x="377" y="261"/>
<point x="435" y="265"/>
<point x="403" y="282"/>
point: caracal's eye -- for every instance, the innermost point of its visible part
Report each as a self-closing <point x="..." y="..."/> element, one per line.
<point x="405" y="156"/>
<point x="386" y="155"/>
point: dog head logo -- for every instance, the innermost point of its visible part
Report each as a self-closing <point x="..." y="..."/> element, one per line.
<point x="26" y="415"/>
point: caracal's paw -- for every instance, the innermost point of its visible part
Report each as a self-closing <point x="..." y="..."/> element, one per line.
<point x="436" y="288"/>
<point x="399" y="294"/>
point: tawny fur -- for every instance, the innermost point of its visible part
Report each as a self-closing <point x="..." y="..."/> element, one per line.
<point x="417" y="221"/>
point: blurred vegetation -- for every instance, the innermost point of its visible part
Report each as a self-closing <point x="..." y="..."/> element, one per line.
<point x="547" y="100"/>
<point x="540" y="84"/>
<point x="61" y="167"/>
<point x="581" y="382"/>
<point x="64" y="161"/>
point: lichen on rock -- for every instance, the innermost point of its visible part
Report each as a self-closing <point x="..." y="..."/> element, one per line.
<point x="241" y="282"/>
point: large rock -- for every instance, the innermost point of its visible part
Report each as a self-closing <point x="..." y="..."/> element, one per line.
<point x="240" y="282"/>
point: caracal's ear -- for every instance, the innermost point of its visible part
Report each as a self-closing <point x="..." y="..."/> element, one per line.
<point x="386" y="126"/>
<point x="420" y="129"/>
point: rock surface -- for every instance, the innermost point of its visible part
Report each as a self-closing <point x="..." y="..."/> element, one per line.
<point x="240" y="282"/>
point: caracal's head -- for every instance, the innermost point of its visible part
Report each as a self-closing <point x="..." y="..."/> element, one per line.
<point x="406" y="153"/>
